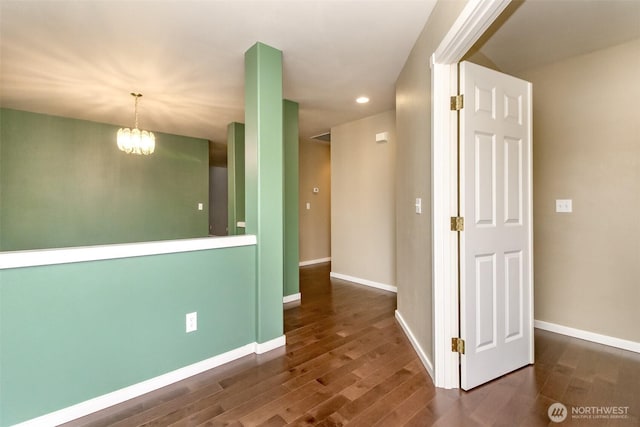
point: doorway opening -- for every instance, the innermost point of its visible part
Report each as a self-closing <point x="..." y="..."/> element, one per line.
<point x="474" y="20"/>
<point x="218" y="189"/>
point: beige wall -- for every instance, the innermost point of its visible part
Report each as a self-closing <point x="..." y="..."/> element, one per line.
<point x="363" y="197"/>
<point x="315" y="223"/>
<point x="413" y="178"/>
<point x="586" y="144"/>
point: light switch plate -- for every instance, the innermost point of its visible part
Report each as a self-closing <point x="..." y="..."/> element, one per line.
<point x="564" y="205"/>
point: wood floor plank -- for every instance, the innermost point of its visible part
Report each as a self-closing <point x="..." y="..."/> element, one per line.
<point x="295" y="411"/>
<point x="263" y="413"/>
<point x="157" y="414"/>
<point x="347" y="362"/>
<point x="378" y="373"/>
<point x="338" y="365"/>
<point x="556" y="385"/>
<point x="514" y="412"/>
<point x="424" y="417"/>
<point x="274" y="421"/>
<point x="241" y="407"/>
<point x="193" y="418"/>
<point x="390" y="402"/>
<point x="320" y="412"/>
<point x="439" y="406"/>
<point x="407" y="409"/>
<point x="376" y="393"/>
<point x="491" y="408"/>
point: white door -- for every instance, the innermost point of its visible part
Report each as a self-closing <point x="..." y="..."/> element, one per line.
<point x="496" y="276"/>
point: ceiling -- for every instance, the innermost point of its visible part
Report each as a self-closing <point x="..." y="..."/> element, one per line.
<point x="533" y="33"/>
<point x="81" y="59"/>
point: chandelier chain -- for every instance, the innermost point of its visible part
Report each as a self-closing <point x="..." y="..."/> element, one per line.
<point x="135" y="108"/>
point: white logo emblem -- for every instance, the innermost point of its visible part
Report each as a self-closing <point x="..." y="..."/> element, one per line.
<point x="557" y="412"/>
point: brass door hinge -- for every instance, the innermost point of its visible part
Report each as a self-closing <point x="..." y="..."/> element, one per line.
<point x="457" y="345"/>
<point x="457" y="102"/>
<point x="457" y="223"/>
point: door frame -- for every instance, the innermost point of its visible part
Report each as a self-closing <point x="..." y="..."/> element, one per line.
<point x="473" y="21"/>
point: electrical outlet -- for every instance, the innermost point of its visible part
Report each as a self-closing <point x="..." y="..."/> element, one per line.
<point x="192" y="321"/>
<point x="564" y="205"/>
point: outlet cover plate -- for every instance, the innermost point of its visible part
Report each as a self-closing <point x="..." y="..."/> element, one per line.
<point x="192" y="321"/>
<point x="564" y="205"/>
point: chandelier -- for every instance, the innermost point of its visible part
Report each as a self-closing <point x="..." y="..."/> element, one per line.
<point x="136" y="141"/>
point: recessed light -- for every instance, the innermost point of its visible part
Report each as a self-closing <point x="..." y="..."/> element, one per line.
<point x="362" y="100"/>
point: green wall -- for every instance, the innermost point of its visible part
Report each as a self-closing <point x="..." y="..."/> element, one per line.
<point x="291" y="183"/>
<point x="63" y="182"/>
<point x="236" y="159"/>
<point x="264" y="186"/>
<point x="235" y="168"/>
<point x="72" y="332"/>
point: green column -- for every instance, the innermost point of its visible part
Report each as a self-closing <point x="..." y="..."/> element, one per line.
<point x="264" y="200"/>
<point x="235" y="168"/>
<point x="291" y="250"/>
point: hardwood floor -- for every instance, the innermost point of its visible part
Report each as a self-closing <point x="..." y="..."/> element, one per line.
<point x="348" y="362"/>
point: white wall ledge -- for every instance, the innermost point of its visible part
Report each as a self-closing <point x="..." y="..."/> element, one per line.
<point x="32" y="258"/>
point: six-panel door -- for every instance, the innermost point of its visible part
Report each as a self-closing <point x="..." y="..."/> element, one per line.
<point x="496" y="319"/>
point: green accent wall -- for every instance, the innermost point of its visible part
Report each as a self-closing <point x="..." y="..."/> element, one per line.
<point x="235" y="180"/>
<point x="63" y="182"/>
<point x="264" y="186"/>
<point x="72" y="332"/>
<point x="291" y="244"/>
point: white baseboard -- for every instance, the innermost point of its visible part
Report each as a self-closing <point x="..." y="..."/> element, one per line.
<point x="414" y="342"/>
<point x="365" y="282"/>
<point x="270" y="345"/>
<point x="588" y="336"/>
<point x="291" y="298"/>
<point x="110" y="399"/>
<point x="314" y="261"/>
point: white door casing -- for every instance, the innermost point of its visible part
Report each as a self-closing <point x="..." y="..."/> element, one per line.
<point x="496" y="276"/>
